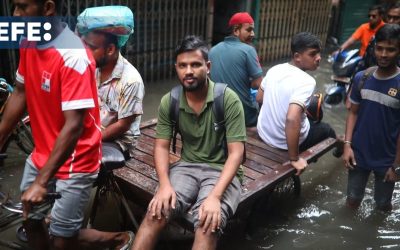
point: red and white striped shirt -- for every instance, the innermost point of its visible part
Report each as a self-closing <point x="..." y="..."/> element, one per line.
<point x="60" y="76"/>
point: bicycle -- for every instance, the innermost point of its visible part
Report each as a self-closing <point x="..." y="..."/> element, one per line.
<point x="21" y="134"/>
<point x="14" y="216"/>
<point x="106" y="183"/>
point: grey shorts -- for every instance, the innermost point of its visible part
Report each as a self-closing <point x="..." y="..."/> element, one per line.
<point x="68" y="211"/>
<point x="193" y="182"/>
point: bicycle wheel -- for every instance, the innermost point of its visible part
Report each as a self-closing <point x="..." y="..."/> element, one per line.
<point x="23" y="136"/>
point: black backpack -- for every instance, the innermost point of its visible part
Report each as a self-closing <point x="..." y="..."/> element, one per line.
<point x="217" y="107"/>
<point x="367" y="74"/>
<point x="314" y="109"/>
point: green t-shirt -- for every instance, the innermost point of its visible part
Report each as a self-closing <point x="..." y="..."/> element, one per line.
<point x="201" y="144"/>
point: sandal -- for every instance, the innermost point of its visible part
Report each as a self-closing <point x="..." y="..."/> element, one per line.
<point x="128" y="245"/>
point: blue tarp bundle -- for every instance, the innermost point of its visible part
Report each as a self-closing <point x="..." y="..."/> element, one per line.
<point x="117" y="20"/>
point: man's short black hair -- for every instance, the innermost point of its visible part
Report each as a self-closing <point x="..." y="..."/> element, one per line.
<point x="396" y="5"/>
<point x="377" y="7"/>
<point x="303" y="41"/>
<point x="57" y="4"/>
<point x="231" y="29"/>
<point x="388" y="32"/>
<point x="192" y="43"/>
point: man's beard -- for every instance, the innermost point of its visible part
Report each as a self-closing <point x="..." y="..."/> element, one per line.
<point x="101" y="62"/>
<point x="194" y="86"/>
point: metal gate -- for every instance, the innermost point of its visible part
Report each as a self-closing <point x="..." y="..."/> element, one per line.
<point x="159" y="25"/>
<point x="281" y="19"/>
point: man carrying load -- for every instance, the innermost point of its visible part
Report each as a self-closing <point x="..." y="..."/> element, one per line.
<point x="120" y="87"/>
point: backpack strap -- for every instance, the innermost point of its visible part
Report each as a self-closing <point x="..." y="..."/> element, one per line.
<point x="219" y="115"/>
<point x="218" y="106"/>
<point x="367" y="73"/>
<point x="174" y="113"/>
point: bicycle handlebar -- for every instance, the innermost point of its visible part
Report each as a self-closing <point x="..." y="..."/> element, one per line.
<point x="17" y="208"/>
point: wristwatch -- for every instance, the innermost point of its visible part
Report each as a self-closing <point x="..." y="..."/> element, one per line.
<point x="396" y="169"/>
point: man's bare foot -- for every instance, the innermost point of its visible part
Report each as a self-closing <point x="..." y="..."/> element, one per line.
<point x="126" y="241"/>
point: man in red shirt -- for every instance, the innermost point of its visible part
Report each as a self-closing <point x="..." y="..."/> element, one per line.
<point x="366" y="31"/>
<point x="55" y="82"/>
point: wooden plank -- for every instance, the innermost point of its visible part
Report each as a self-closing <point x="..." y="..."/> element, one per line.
<point x="149" y="123"/>
<point x="140" y="181"/>
<point x="261" y="159"/>
<point x="143" y="189"/>
<point x="256" y="150"/>
<point x="257" y="142"/>
<point x="251" y="174"/>
<point x="285" y="170"/>
<point x="144" y="147"/>
<point x="263" y="152"/>
<point x="143" y="168"/>
<point x="257" y="167"/>
<point x="268" y="156"/>
<point x="139" y="177"/>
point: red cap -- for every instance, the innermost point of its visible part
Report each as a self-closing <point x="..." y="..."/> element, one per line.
<point x="240" y="18"/>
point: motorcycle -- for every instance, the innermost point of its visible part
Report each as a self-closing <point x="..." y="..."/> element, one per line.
<point x="22" y="134"/>
<point x="344" y="65"/>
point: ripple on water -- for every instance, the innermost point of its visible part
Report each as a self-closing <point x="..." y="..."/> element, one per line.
<point x="265" y="247"/>
<point x="311" y="211"/>
<point x="322" y="188"/>
<point x="394" y="217"/>
<point x="394" y="246"/>
<point x="346" y="228"/>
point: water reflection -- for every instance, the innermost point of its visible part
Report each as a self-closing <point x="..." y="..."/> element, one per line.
<point x="318" y="219"/>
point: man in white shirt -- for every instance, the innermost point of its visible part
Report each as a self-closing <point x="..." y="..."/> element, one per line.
<point x="285" y="92"/>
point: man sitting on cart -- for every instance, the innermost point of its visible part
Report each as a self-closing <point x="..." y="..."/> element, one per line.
<point x="205" y="180"/>
<point x="120" y="87"/>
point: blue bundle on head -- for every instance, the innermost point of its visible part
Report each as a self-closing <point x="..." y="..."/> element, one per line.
<point x="116" y="20"/>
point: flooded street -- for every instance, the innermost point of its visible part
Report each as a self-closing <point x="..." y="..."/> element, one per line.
<point x="318" y="218"/>
<point x="315" y="220"/>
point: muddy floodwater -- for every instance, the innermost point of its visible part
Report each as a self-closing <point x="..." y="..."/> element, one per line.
<point x="317" y="219"/>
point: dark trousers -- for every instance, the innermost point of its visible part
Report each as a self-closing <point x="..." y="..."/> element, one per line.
<point x="317" y="133"/>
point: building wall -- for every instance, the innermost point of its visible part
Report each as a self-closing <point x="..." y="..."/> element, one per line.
<point x="354" y="13"/>
<point x="160" y="24"/>
<point x="8" y="58"/>
<point x="223" y="12"/>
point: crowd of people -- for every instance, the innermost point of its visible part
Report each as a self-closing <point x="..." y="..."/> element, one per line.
<point x="88" y="94"/>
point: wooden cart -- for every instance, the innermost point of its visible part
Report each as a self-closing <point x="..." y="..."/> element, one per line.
<point x="264" y="168"/>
